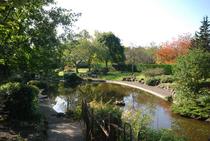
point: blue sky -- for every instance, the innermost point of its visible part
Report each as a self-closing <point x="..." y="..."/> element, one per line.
<point x="139" y="22"/>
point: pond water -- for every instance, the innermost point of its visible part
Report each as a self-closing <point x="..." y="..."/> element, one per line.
<point x="159" y="109"/>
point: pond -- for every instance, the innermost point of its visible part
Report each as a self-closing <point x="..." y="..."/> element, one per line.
<point x="162" y="117"/>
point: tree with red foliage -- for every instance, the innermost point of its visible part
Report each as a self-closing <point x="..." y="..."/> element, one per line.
<point x="169" y="51"/>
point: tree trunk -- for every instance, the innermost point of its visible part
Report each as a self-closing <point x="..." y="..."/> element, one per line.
<point x="77" y="71"/>
<point x="106" y="63"/>
<point x="89" y="67"/>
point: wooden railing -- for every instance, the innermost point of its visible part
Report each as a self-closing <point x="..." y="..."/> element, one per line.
<point x="104" y="130"/>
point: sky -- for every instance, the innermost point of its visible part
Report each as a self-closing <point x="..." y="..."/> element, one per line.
<point x="139" y="22"/>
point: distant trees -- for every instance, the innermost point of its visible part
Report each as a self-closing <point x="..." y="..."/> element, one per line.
<point x="114" y="49"/>
<point x="104" y="47"/>
<point x="139" y="55"/>
<point x="169" y="51"/>
<point x="80" y="50"/>
<point x="202" y="38"/>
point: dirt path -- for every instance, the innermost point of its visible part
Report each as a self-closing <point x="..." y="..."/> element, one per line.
<point x="60" y="128"/>
<point x="162" y="93"/>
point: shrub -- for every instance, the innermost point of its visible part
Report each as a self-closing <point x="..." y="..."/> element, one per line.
<point x="21" y="101"/>
<point x="168" y="69"/>
<point x="103" y="110"/>
<point x="150" y="134"/>
<point x="166" y="79"/>
<point x="104" y="113"/>
<point x="154" y="72"/>
<point x="72" y="78"/>
<point x="193" y="68"/>
<point x="124" y="67"/>
<point x="190" y="71"/>
<point x="39" y="84"/>
<point x="102" y="70"/>
<point x="152" y="81"/>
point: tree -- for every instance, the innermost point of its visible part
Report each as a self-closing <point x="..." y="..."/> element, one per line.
<point x="29" y="40"/>
<point x="191" y="70"/>
<point x="169" y="51"/>
<point x="202" y="38"/>
<point x="79" y="51"/>
<point x="138" y="55"/>
<point x="115" y="52"/>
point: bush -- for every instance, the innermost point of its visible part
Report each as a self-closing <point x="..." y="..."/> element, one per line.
<point x="153" y="81"/>
<point x="72" y="78"/>
<point x="124" y="67"/>
<point x="102" y="110"/>
<point x="154" y="72"/>
<point x="168" y="69"/>
<point x="102" y="70"/>
<point x="166" y="79"/>
<point x="150" y="134"/>
<point x="190" y="72"/>
<point x="39" y="84"/>
<point x="21" y="101"/>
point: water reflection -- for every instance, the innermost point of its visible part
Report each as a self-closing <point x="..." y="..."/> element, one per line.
<point x="61" y="104"/>
<point x="138" y="100"/>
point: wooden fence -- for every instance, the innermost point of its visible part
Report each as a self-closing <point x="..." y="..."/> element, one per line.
<point x="104" y="130"/>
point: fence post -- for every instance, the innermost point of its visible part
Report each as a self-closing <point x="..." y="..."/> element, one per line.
<point x="92" y="124"/>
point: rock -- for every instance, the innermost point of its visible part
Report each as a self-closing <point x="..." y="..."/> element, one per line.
<point x="208" y="120"/>
<point x="59" y="115"/>
<point x="119" y="103"/>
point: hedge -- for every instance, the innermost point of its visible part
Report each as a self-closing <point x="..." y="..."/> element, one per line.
<point x="167" y="68"/>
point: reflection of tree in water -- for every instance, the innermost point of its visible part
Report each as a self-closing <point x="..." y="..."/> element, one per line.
<point x="195" y="130"/>
<point x="102" y="91"/>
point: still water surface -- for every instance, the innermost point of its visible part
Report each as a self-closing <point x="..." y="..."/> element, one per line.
<point x="158" y="109"/>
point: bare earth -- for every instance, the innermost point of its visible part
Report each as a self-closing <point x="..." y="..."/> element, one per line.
<point x="60" y="128"/>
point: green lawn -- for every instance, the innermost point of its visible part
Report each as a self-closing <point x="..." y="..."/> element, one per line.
<point x="116" y="75"/>
<point x="112" y="75"/>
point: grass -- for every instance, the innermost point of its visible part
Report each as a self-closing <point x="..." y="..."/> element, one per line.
<point x="81" y="71"/>
<point x="116" y="75"/>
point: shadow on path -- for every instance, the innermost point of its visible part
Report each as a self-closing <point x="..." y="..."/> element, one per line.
<point x="60" y="128"/>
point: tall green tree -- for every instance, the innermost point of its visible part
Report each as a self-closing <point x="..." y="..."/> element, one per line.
<point x="112" y="43"/>
<point x="79" y="51"/>
<point x="29" y="41"/>
<point x="202" y="38"/>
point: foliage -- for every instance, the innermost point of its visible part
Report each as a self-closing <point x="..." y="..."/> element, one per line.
<point x="189" y="92"/>
<point x="202" y="38"/>
<point x="167" y="68"/>
<point x="29" y="40"/>
<point x="150" y="134"/>
<point x="21" y="101"/>
<point x="138" y="55"/>
<point x="152" y="81"/>
<point x="154" y="72"/>
<point x="116" y="75"/>
<point x="166" y="78"/>
<point x="78" y="52"/>
<point x="72" y="78"/>
<point x="136" y="119"/>
<point x="198" y="62"/>
<point x="39" y="84"/>
<point x="76" y="113"/>
<point x="124" y="67"/>
<point x="103" y="110"/>
<point x="169" y="51"/>
<point x="115" y="50"/>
